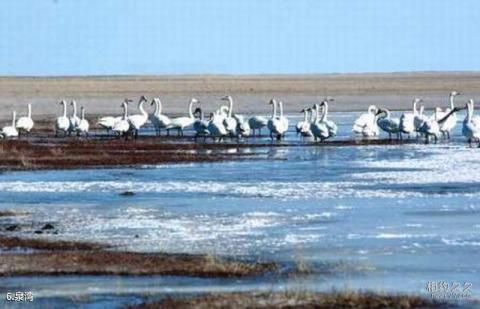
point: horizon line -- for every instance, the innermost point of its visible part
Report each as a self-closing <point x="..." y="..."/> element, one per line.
<point x="140" y="75"/>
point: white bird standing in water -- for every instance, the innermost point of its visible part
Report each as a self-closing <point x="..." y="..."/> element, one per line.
<point x="74" y="120"/>
<point x="83" y="126"/>
<point x="275" y="124"/>
<point x="10" y="131"/>
<point x="159" y="120"/>
<point x="366" y="124"/>
<point x="332" y="127"/>
<point x="318" y="128"/>
<point x="216" y="126"/>
<point x="137" y="121"/>
<point x="200" y="125"/>
<point x="388" y="124"/>
<point x="471" y="124"/>
<point x="25" y="123"/>
<point x="407" y="120"/>
<point x="63" y="123"/>
<point x="180" y="123"/>
<point x="230" y="122"/>
<point x="122" y="127"/>
<point x="451" y="121"/>
<point x="243" y="128"/>
<point x="303" y="127"/>
<point x="257" y="123"/>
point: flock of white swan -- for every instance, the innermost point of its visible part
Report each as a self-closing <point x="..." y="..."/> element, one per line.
<point x="225" y="123"/>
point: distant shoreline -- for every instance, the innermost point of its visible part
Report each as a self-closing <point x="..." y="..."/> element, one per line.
<point x="234" y="75"/>
<point x="102" y="95"/>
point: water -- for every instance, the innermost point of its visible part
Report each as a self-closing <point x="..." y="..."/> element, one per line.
<point x="385" y="218"/>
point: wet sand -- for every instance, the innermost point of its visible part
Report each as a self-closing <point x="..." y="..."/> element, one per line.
<point x="103" y="95"/>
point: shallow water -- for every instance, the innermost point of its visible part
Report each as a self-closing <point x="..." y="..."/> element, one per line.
<point x="389" y="218"/>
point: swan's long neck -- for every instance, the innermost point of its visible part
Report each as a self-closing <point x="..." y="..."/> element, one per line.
<point x="155" y="112"/>
<point x="140" y="108"/>
<point x="470" y="107"/>
<point x="64" y="108"/>
<point x="190" y="106"/>
<point x="317" y="112"/>
<point x="83" y="113"/>
<point x="274" y="103"/>
<point x="414" y="106"/>
<point x="421" y="110"/>
<point x="125" y="111"/>
<point x="74" y="112"/>
<point x="159" y="103"/>
<point x="13" y="120"/>
<point x="452" y="106"/>
<point x="29" y="110"/>
<point x="325" y="111"/>
<point x="280" y="105"/>
<point x="230" y="107"/>
<point x="305" y="112"/>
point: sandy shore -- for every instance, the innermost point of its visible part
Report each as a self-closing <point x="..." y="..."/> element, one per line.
<point x="103" y="95"/>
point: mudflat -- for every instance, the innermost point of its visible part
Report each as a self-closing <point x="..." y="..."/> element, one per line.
<point x="102" y="95"/>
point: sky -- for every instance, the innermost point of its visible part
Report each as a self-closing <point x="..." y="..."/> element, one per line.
<point x="114" y="37"/>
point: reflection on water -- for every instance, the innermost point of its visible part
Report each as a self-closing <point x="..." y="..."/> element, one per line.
<point x="387" y="218"/>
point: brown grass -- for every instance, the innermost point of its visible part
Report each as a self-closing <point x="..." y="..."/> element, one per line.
<point x="297" y="299"/>
<point x="44" y="152"/>
<point x="13" y="213"/>
<point x="125" y="263"/>
<point x="42" y="244"/>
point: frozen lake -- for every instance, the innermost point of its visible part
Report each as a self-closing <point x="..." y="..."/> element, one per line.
<point x="385" y="218"/>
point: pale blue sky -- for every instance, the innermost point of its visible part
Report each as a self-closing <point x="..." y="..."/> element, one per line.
<point x="80" y="37"/>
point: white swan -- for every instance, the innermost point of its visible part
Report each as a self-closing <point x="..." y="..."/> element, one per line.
<point x="200" y="125"/>
<point x="419" y="119"/>
<point x="216" y="126"/>
<point x="332" y="127"/>
<point x="471" y="124"/>
<point x="180" y="123"/>
<point x="10" y="131"/>
<point x="137" y="121"/>
<point x="407" y="120"/>
<point x="366" y="124"/>
<point x="230" y="122"/>
<point x="74" y="120"/>
<point x="447" y="126"/>
<point x="257" y="123"/>
<point x="25" y="123"/>
<point x="430" y="127"/>
<point x="318" y="128"/>
<point x="388" y="124"/>
<point x="274" y="124"/>
<point x="62" y="123"/>
<point x="108" y="122"/>
<point x="243" y="127"/>
<point x="122" y="127"/>
<point x="83" y="126"/>
<point x="303" y="127"/>
<point x="159" y="120"/>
